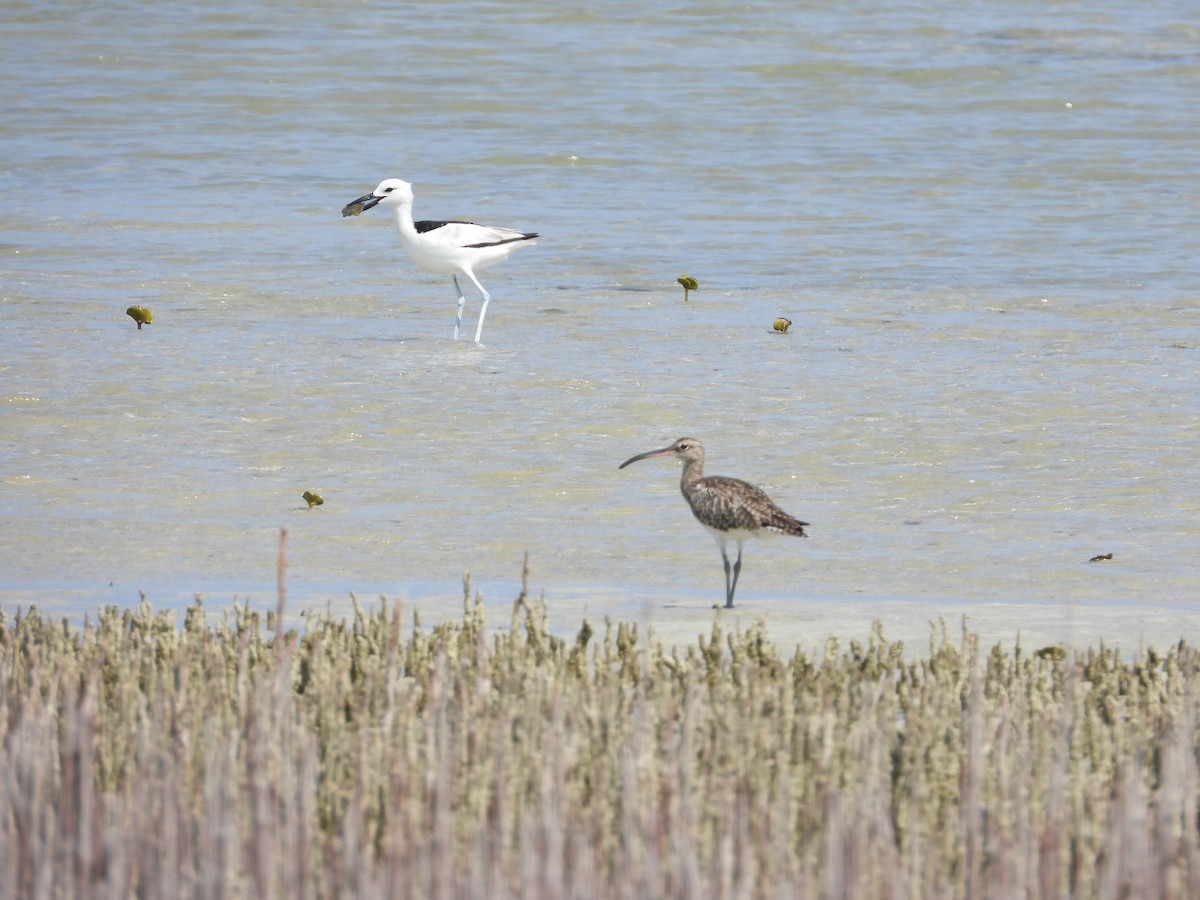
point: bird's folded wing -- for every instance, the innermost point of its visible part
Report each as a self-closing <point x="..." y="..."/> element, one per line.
<point x="730" y="503"/>
<point x="468" y="234"/>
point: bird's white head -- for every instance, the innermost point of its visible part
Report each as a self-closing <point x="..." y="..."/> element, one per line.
<point x="391" y="192"/>
<point x="686" y="449"/>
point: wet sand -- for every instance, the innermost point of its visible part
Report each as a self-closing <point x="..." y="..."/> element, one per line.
<point x="808" y="623"/>
<point x="678" y="619"/>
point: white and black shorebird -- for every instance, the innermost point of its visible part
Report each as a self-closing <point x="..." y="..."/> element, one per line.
<point x="444" y="248"/>
<point x="731" y="509"/>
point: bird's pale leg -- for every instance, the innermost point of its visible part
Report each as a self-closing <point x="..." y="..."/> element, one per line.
<point x="461" y="300"/>
<point x="728" y="589"/>
<point x="737" y="570"/>
<point x="483" y="309"/>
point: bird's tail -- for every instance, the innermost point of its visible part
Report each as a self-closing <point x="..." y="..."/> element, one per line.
<point x="784" y="524"/>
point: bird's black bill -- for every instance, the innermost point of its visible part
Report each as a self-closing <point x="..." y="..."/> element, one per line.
<point x="356" y="207"/>
<point x="666" y="451"/>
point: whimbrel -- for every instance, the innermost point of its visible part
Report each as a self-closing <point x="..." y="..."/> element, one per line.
<point x="444" y="248"/>
<point x="731" y="509"/>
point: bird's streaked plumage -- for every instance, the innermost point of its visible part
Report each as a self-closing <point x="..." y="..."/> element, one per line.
<point x="731" y="509"/>
<point x="444" y="248"/>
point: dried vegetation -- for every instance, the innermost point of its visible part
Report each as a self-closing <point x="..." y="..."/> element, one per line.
<point x="144" y="758"/>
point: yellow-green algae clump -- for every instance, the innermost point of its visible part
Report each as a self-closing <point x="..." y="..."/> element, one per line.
<point x="141" y="314"/>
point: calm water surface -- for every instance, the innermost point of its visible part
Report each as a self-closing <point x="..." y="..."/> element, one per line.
<point x="983" y="218"/>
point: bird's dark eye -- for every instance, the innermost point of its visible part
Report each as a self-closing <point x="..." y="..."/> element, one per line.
<point x="685" y="446"/>
<point x="388" y="190"/>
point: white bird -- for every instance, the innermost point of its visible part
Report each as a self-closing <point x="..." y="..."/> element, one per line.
<point x="731" y="509"/>
<point x="444" y="248"/>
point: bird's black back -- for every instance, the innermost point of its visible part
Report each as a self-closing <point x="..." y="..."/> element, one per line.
<point x="428" y="225"/>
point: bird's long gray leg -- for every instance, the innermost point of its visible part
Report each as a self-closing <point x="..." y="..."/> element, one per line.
<point x="729" y="594"/>
<point x="731" y="572"/>
<point x="483" y="309"/>
<point x="461" y="301"/>
<point x="737" y="570"/>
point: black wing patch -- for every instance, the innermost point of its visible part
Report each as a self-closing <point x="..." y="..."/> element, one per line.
<point x="521" y="237"/>
<point x="427" y="225"/>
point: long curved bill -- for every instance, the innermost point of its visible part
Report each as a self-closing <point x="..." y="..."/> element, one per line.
<point x="356" y="207"/>
<point x="665" y="451"/>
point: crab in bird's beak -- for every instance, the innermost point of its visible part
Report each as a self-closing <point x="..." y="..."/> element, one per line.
<point x="356" y="207"/>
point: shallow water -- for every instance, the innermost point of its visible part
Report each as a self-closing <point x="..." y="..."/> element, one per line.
<point x="983" y="220"/>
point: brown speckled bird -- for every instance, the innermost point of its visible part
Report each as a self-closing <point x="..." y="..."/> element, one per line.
<point x="728" y="507"/>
